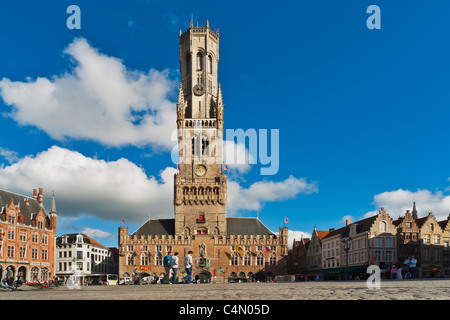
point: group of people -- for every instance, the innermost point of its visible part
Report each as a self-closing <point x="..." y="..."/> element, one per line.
<point x="397" y="270"/>
<point x="171" y="265"/>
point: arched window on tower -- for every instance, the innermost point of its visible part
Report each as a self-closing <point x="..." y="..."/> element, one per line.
<point x="196" y="145"/>
<point x="209" y="64"/>
<point x="199" y="61"/>
<point x="188" y="63"/>
<point x="205" y="145"/>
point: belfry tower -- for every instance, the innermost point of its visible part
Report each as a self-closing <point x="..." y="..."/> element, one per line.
<point x="200" y="194"/>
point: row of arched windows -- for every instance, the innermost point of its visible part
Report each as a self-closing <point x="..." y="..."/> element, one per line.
<point x="199" y="62"/>
<point x="207" y="193"/>
<point x="246" y="259"/>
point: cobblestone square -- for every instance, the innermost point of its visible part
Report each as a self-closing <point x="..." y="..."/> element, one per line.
<point x="345" y="290"/>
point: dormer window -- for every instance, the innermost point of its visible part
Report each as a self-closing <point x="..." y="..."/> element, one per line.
<point x="40" y="224"/>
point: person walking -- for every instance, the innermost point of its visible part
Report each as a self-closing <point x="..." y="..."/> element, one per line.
<point x="188" y="267"/>
<point x="167" y="262"/>
<point x="412" y="265"/>
<point x="174" y="264"/>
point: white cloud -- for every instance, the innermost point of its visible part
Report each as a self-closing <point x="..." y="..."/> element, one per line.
<point x="85" y="186"/>
<point x="297" y="235"/>
<point x="98" y="99"/>
<point x="9" y="155"/>
<point x="97" y="233"/>
<point x="256" y="195"/>
<point x="110" y="190"/>
<point x="398" y="201"/>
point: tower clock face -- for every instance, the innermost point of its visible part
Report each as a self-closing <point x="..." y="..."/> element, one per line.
<point x="198" y="89"/>
<point x="200" y="170"/>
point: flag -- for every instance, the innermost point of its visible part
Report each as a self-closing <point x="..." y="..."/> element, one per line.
<point x="286" y="220"/>
<point x="225" y="167"/>
<point x="26" y="247"/>
<point x="123" y="221"/>
<point x="178" y="167"/>
<point x="157" y="249"/>
<point x="239" y="249"/>
<point x="265" y="249"/>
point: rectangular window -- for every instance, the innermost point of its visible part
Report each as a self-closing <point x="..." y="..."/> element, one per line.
<point x="388" y="255"/>
<point x="436" y="239"/>
<point x="388" y="242"/>
<point x="11" y="251"/>
<point x="22" y="252"/>
<point x="34" y="253"/>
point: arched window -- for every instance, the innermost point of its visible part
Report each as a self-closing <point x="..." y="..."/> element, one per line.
<point x="209" y="64"/>
<point x="260" y="259"/>
<point x="130" y="260"/>
<point x="45" y="274"/>
<point x="196" y="145"/>
<point x="144" y="259"/>
<point x="34" y="274"/>
<point x="383" y="226"/>
<point x="199" y="61"/>
<point x="205" y="145"/>
<point x="247" y="260"/>
<point x="188" y="63"/>
<point x="234" y="259"/>
<point x="273" y="259"/>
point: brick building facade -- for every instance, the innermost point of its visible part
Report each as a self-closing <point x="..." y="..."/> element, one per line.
<point x="225" y="248"/>
<point x="27" y="235"/>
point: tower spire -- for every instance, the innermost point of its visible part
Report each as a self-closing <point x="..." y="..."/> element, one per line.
<point x="53" y="207"/>
<point x="414" y="211"/>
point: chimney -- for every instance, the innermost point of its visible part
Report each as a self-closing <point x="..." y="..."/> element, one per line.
<point x="331" y="229"/>
<point x="40" y="196"/>
<point x="348" y="222"/>
<point x="35" y="194"/>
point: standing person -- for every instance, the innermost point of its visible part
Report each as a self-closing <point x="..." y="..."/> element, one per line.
<point x="9" y="276"/>
<point x="167" y="262"/>
<point x="412" y="265"/>
<point x="174" y="264"/>
<point x="188" y="267"/>
<point x="394" y="271"/>
<point x="407" y="267"/>
<point x="382" y="268"/>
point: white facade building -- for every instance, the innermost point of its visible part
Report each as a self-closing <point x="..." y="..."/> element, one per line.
<point x="78" y="252"/>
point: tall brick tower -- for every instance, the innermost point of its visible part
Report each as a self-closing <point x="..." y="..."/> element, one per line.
<point x="200" y="194"/>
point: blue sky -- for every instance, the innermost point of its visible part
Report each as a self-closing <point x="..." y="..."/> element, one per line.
<point x="362" y="114"/>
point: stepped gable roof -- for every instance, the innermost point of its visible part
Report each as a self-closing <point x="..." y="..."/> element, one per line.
<point x="27" y="210"/>
<point x="235" y="226"/>
<point x="421" y="221"/>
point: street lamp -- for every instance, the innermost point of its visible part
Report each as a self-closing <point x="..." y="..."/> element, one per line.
<point x="347" y="245"/>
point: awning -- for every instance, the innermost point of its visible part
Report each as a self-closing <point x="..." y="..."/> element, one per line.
<point x="333" y="271"/>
